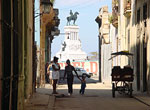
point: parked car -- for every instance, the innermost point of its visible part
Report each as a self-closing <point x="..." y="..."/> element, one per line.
<point x="61" y="74"/>
<point x="82" y="71"/>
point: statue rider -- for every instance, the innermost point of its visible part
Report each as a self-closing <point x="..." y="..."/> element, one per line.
<point x="71" y="13"/>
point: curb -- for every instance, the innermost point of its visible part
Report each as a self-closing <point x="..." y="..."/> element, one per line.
<point x="141" y="101"/>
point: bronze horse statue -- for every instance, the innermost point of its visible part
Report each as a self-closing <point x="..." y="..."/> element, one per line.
<point x="73" y="17"/>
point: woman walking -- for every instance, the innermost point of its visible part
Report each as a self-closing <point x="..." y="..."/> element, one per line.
<point x="68" y="70"/>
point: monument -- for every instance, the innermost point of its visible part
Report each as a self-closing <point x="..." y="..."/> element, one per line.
<point x="71" y="47"/>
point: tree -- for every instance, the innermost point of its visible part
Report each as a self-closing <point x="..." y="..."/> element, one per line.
<point x="53" y="1"/>
<point x="93" y="56"/>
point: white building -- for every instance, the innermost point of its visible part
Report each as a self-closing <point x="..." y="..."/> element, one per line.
<point x="71" y="47"/>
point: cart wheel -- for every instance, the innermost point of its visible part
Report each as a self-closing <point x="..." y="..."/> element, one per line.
<point x="113" y="90"/>
<point x="130" y="90"/>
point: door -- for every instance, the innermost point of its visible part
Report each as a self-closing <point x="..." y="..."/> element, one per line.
<point x="138" y="50"/>
<point x="9" y="55"/>
<point x="144" y="48"/>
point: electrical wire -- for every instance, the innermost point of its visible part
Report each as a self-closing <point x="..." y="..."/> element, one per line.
<point x="81" y="6"/>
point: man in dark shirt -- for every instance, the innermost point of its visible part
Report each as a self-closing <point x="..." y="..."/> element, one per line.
<point x="69" y="71"/>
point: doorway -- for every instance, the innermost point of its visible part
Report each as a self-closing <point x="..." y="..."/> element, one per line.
<point x="144" y="49"/>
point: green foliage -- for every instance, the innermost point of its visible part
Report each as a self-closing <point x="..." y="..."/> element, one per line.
<point x="93" y="56"/>
<point x="110" y="19"/>
<point x="53" y="1"/>
<point x="93" y="53"/>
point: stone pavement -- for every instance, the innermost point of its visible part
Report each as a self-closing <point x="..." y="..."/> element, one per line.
<point x="40" y="101"/>
<point x="96" y="95"/>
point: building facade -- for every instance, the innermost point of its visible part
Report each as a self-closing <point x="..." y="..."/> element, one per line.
<point x="16" y="41"/>
<point x="133" y="22"/>
<point x="140" y="43"/>
<point x="129" y="31"/>
<point x="49" y="23"/>
<point x="104" y="45"/>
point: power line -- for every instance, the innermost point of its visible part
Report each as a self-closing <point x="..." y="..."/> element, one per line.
<point x="80" y="6"/>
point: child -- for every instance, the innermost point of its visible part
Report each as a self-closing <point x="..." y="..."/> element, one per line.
<point x="83" y="84"/>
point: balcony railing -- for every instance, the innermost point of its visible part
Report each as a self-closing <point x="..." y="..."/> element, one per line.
<point x="127" y="9"/>
<point x="115" y="12"/>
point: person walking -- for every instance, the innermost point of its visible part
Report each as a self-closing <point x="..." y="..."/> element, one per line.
<point x="69" y="71"/>
<point x="55" y="73"/>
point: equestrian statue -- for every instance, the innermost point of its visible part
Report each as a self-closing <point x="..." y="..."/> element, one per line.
<point x="72" y="17"/>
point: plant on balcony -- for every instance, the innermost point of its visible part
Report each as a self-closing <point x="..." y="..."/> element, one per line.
<point x="113" y="19"/>
<point x="110" y="19"/>
<point x="115" y="2"/>
<point x="115" y="7"/>
<point x="53" y="1"/>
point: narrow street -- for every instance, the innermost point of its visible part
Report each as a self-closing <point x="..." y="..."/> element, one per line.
<point x="105" y="42"/>
<point x="97" y="96"/>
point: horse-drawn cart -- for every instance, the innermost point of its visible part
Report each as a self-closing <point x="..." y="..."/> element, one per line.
<point x="122" y="78"/>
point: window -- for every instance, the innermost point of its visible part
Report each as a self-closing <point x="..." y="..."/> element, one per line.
<point x="144" y="11"/>
<point x="145" y="14"/>
<point x="138" y="16"/>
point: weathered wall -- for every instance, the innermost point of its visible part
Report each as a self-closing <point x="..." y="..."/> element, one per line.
<point x="0" y="57"/>
<point x="46" y="22"/>
<point x="140" y="33"/>
<point x="148" y="49"/>
<point x="106" y="63"/>
<point x="105" y="46"/>
<point x="21" y="54"/>
<point x="28" y="47"/>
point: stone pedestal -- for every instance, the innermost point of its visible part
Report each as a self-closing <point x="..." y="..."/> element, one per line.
<point x="71" y="47"/>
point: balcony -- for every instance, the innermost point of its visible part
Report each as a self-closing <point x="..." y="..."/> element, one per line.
<point x="115" y="12"/>
<point x="113" y="19"/>
<point x="115" y="6"/>
<point x="127" y="9"/>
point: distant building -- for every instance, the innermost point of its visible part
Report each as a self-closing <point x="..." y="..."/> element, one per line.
<point x="71" y="47"/>
<point x="105" y="45"/>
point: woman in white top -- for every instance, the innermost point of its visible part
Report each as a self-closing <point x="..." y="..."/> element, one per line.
<point x="55" y="73"/>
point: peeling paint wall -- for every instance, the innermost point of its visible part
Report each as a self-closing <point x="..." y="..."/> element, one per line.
<point x="28" y="47"/>
<point x="105" y="46"/>
<point x="138" y="35"/>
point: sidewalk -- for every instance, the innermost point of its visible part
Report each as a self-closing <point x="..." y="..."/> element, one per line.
<point x="40" y="101"/>
<point x="44" y="100"/>
<point x="142" y="97"/>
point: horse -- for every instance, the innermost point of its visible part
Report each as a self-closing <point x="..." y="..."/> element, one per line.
<point x="73" y="17"/>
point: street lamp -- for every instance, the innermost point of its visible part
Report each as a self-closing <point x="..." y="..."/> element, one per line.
<point x="99" y="22"/>
<point x="46" y="7"/>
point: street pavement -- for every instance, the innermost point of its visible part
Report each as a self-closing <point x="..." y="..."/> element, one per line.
<point x="98" y="96"/>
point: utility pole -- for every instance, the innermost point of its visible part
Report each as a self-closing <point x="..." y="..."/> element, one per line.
<point x="99" y="22"/>
<point x="100" y="43"/>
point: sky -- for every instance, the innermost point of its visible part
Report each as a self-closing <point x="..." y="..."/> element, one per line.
<point x="88" y="32"/>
